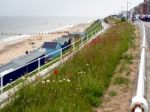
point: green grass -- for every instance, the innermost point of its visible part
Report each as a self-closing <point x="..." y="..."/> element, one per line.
<point x="81" y="81"/>
<point x="121" y="80"/>
<point x="94" y="26"/>
<point x="115" y="20"/>
<point x="128" y="58"/>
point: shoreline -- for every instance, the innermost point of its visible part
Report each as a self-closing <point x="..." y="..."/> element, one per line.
<point x="8" y="40"/>
<point x="26" y="36"/>
<point x="16" y="47"/>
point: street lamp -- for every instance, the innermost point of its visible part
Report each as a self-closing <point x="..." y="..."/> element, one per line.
<point x="128" y="9"/>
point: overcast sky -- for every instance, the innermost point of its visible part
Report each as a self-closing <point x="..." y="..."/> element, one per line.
<point x="99" y="8"/>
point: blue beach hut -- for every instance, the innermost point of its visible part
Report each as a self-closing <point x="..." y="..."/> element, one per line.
<point x="52" y="48"/>
<point x="64" y="42"/>
<point x="21" y="66"/>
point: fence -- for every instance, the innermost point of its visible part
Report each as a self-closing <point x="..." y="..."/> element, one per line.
<point x="40" y="65"/>
<point x="139" y="103"/>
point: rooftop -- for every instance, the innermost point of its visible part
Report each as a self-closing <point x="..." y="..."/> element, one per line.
<point x="51" y="45"/>
<point x="21" y="61"/>
<point x="63" y="39"/>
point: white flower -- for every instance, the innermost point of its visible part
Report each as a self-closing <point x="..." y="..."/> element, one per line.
<point x="23" y="78"/>
<point x="87" y="64"/>
<point x="43" y="82"/>
<point x="81" y="72"/>
<point x="48" y="81"/>
<point x="53" y="81"/>
<point x="60" y="80"/>
<point x="64" y="79"/>
<point x="68" y="80"/>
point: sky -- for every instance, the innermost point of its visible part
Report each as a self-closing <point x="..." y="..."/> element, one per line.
<point x="98" y="8"/>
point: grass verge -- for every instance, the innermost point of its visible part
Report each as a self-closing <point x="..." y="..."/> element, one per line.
<point x="81" y="81"/>
<point x="118" y="96"/>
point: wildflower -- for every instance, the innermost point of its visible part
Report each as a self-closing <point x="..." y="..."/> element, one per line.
<point x="48" y="81"/>
<point x="55" y="72"/>
<point x="43" y="82"/>
<point x="60" y="80"/>
<point x="53" y="81"/>
<point x="81" y="72"/>
<point x="23" y="78"/>
<point x="87" y="64"/>
<point x="68" y="80"/>
<point x="64" y="79"/>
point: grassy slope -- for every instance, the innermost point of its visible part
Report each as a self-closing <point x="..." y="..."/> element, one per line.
<point x="88" y="74"/>
<point x="93" y="27"/>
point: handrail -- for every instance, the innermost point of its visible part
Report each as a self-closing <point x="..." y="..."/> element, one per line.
<point x="7" y="94"/>
<point x="139" y="103"/>
<point x="59" y="50"/>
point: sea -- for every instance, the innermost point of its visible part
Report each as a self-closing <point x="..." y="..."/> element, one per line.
<point x="22" y="26"/>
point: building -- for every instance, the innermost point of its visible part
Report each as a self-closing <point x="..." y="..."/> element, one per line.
<point x="74" y="35"/>
<point x="21" y="66"/>
<point x="64" y="42"/>
<point x="148" y="7"/>
<point x="52" y="49"/>
<point x="79" y="34"/>
<point x="143" y="8"/>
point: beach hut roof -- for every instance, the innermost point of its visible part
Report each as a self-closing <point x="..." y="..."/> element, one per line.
<point x="79" y="33"/>
<point x="51" y="45"/>
<point x="20" y="61"/>
<point x="63" y="39"/>
<point x="65" y="36"/>
<point x="71" y="36"/>
<point x="61" y="42"/>
<point x="8" y="67"/>
<point x="28" y="57"/>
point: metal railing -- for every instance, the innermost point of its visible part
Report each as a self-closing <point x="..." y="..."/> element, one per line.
<point x="139" y="103"/>
<point x="47" y="67"/>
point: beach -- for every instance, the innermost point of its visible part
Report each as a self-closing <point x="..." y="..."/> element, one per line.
<point x="18" y="47"/>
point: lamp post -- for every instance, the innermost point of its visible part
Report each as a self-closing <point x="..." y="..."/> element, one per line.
<point x="127" y="8"/>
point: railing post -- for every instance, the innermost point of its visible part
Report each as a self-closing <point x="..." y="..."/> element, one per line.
<point x="39" y="64"/>
<point x="87" y="37"/>
<point x="93" y="33"/>
<point x="61" y="54"/>
<point x="1" y="85"/>
<point x="81" y="41"/>
<point x="73" y="43"/>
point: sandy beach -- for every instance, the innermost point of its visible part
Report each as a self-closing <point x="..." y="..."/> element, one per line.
<point x="12" y="49"/>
